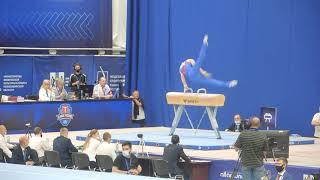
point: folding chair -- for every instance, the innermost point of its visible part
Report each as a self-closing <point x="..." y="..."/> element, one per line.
<point x="52" y="159"/>
<point x="80" y="161"/>
<point x="104" y="163"/>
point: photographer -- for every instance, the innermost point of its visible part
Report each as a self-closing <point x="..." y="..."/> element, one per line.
<point x="252" y="145"/>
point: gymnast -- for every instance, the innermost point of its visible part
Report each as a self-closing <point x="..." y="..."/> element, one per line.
<point x="191" y="71"/>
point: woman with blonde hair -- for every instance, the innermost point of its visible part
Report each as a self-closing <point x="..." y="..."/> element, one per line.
<point x="45" y="92"/>
<point x="90" y="146"/>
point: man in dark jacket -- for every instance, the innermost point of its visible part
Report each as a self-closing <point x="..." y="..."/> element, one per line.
<point x="172" y="154"/>
<point x="23" y="154"/>
<point x="238" y="125"/>
<point x="64" y="146"/>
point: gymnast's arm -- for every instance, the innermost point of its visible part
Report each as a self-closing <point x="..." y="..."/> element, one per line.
<point x="184" y="82"/>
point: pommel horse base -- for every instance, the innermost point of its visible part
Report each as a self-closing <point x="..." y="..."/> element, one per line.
<point x="211" y="101"/>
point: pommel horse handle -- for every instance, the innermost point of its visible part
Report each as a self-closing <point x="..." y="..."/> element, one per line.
<point x="202" y="89"/>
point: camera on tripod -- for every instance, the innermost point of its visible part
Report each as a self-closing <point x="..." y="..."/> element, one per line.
<point x="140" y="136"/>
<point x="28" y="125"/>
<point x="28" y="129"/>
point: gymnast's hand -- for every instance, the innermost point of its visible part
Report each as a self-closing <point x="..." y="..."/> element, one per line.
<point x="205" y="39"/>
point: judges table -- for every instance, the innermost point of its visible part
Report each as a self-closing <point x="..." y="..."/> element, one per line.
<point x="197" y="169"/>
<point x="17" y="172"/>
<point x="75" y="115"/>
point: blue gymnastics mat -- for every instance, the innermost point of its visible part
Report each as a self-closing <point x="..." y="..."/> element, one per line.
<point x="202" y="140"/>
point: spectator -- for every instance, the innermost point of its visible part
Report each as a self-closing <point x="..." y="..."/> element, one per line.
<point x="3" y="144"/>
<point x="126" y="163"/>
<point x="90" y="146"/>
<point x="172" y="154"/>
<point x="40" y="144"/>
<point x="23" y="154"/>
<point x="138" y="109"/>
<point x="238" y="125"/>
<point x="252" y="145"/>
<point x="106" y="148"/>
<point x="281" y="166"/>
<point x="316" y="123"/>
<point x="64" y="146"/>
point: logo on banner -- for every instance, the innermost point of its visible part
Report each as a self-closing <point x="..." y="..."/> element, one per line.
<point x="54" y="76"/>
<point x="65" y="114"/>
<point x="267" y="117"/>
<point x="228" y="174"/>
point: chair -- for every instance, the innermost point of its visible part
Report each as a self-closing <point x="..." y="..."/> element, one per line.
<point x="52" y="159"/>
<point x="160" y="168"/>
<point x="80" y="161"/>
<point x="104" y="163"/>
<point x="2" y="156"/>
<point x="34" y="157"/>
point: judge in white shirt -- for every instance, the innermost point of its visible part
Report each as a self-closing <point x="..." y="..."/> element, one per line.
<point x="90" y="146"/>
<point x="102" y="90"/>
<point x="3" y="144"/>
<point x="39" y="143"/>
<point x="45" y="92"/>
<point x="106" y="148"/>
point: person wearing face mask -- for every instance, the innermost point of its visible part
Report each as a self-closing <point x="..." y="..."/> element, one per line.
<point x="238" y="125"/>
<point x="126" y="163"/>
<point x="77" y="79"/>
<point x="282" y="173"/>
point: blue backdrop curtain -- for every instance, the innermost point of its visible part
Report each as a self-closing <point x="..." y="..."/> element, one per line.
<point x="148" y="55"/>
<point x="272" y="47"/>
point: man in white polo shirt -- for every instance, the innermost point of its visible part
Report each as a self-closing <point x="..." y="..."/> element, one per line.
<point x="316" y="123"/>
<point x="102" y="90"/>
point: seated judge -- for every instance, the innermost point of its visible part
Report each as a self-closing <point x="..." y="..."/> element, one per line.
<point x="23" y="154"/>
<point x="90" y="146"/>
<point x="126" y="163"/>
<point x="106" y="148"/>
<point x="172" y="154"/>
<point x="3" y="144"/>
<point x="238" y="125"/>
<point x="59" y="91"/>
<point x="102" y="90"/>
<point x="64" y="146"/>
<point x="39" y="143"/>
<point x="45" y="92"/>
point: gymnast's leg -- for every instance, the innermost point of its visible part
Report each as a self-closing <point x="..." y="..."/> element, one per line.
<point x="213" y="82"/>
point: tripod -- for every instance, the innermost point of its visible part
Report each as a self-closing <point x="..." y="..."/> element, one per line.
<point x="140" y="150"/>
<point x="236" y="168"/>
<point x="28" y="131"/>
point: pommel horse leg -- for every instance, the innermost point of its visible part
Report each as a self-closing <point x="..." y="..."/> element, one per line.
<point x="177" y="115"/>
<point x="212" y="113"/>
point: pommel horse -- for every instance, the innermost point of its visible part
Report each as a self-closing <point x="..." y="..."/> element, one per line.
<point x="211" y="101"/>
